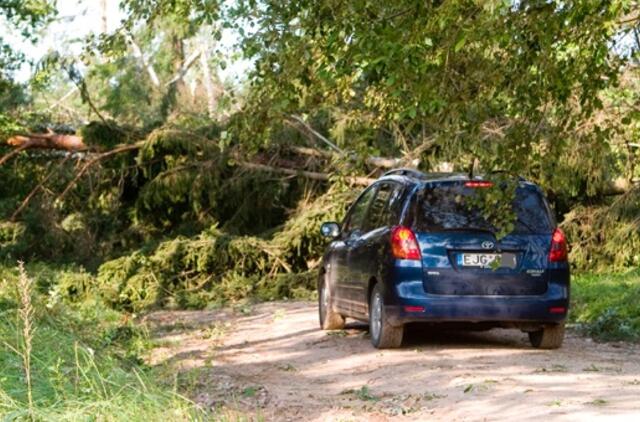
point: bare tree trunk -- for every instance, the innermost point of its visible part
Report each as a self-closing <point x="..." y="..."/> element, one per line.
<point x="137" y="51"/>
<point x="208" y="83"/>
<point x="103" y="8"/>
<point x="178" y="78"/>
<point x="176" y="86"/>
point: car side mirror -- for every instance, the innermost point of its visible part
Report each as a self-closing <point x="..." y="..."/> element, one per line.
<point x="330" y="229"/>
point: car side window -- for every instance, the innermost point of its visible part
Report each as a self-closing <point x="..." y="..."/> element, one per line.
<point x="378" y="212"/>
<point x="394" y="209"/>
<point x="358" y="212"/>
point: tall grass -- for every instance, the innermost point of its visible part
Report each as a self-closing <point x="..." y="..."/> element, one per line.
<point x="69" y="363"/>
<point x="26" y="317"/>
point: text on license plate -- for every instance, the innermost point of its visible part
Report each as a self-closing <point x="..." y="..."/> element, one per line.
<point x="486" y="260"/>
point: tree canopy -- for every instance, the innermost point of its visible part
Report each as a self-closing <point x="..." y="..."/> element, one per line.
<point x="151" y="141"/>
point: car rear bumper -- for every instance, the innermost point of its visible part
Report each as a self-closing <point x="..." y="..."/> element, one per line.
<point x="405" y="307"/>
<point x="474" y="309"/>
<point x="407" y="301"/>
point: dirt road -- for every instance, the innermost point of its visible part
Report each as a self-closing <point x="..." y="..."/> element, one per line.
<point x="271" y="361"/>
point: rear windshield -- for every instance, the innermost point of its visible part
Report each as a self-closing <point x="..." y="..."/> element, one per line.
<point x="445" y="208"/>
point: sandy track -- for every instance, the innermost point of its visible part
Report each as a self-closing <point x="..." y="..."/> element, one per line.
<point x="274" y="362"/>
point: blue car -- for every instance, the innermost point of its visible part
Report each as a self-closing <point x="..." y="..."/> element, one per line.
<point x="414" y="248"/>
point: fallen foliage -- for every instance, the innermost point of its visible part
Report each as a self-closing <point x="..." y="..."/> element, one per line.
<point x="215" y="266"/>
<point x="605" y="237"/>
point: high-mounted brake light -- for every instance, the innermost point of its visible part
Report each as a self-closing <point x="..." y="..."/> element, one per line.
<point x="404" y="244"/>
<point x="559" y="250"/>
<point x="478" y="184"/>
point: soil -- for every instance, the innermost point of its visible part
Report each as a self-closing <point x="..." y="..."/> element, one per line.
<point x="271" y="362"/>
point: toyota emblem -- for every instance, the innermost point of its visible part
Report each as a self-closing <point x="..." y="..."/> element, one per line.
<point x="487" y="245"/>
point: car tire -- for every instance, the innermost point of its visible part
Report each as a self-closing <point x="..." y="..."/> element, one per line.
<point x="549" y="337"/>
<point x="383" y="334"/>
<point x="329" y="318"/>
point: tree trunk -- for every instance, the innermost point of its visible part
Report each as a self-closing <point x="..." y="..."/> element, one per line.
<point x="104" y="12"/>
<point x="48" y="141"/>
<point x="208" y="83"/>
<point x="137" y="52"/>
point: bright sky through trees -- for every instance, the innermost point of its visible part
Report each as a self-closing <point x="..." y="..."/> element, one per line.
<point x="77" y="19"/>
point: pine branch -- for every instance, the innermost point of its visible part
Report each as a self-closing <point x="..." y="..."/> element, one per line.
<point x="12" y="154"/>
<point x="97" y="159"/>
<point x="31" y="194"/>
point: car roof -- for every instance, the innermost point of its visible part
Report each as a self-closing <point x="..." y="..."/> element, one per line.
<point x="407" y="175"/>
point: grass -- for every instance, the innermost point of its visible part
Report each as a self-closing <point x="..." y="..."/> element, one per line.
<point x="65" y="355"/>
<point x="605" y="306"/>
<point x="75" y="362"/>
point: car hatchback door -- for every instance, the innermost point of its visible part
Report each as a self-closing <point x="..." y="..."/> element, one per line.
<point x="460" y="252"/>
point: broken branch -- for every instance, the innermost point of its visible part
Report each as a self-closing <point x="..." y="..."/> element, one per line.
<point x="49" y="140"/>
<point x="317" y="134"/>
<point x="363" y="181"/>
<point x="12" y="154"/>
<point x="31" y="194"/>
<point x="98" y="158"/>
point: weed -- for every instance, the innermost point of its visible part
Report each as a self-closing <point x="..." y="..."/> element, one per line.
<point x="26" y="316"/>
<point x="287" y="367"/>
<point x="278" y="315"/>
<point x="591" y="368"/>
<point x="598" y="402"/>
<point x="363" y="393"/>
<point x="433" y="396"/>
<point x="215" y="332"/>
<point x="250" y="391"/>
<point x="552" y="368"/>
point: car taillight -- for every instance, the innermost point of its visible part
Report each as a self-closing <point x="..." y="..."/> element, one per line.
<point x="478" y="184"/>
<point x="558" y="251"/>
<point x="404" y="244"/>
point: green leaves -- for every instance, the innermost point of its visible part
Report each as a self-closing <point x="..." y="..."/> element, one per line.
<point x="460" y="43"/>
<point x="505" y="83"/>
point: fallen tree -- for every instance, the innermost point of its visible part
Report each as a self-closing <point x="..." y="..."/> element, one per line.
<point x="49" y="140"/>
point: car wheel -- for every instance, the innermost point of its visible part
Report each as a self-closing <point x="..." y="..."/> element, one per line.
<point x="329" y="319"/>
<point x="383" y="334"/>
<point x="549" y="337"/>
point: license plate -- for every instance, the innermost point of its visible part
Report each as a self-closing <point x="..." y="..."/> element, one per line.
<point x="486" y="260"/>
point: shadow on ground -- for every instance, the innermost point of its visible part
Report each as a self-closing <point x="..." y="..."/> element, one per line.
<point x="275" y="362"/>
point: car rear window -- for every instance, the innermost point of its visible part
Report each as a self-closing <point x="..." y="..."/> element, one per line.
<point x="446" y="207"/>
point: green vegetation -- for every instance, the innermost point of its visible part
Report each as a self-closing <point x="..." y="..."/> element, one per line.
<point x="180" y="199"/>
<point x="606" y="305"/>
<point x="191" y="189"/>
<point x="81" y="359"/>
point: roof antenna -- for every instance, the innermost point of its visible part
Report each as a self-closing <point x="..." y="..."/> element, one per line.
<point x="473" y="168"/>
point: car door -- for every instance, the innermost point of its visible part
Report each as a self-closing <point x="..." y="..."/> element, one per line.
<point x="367" y="254"/>
<point x="349" y="236"/>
